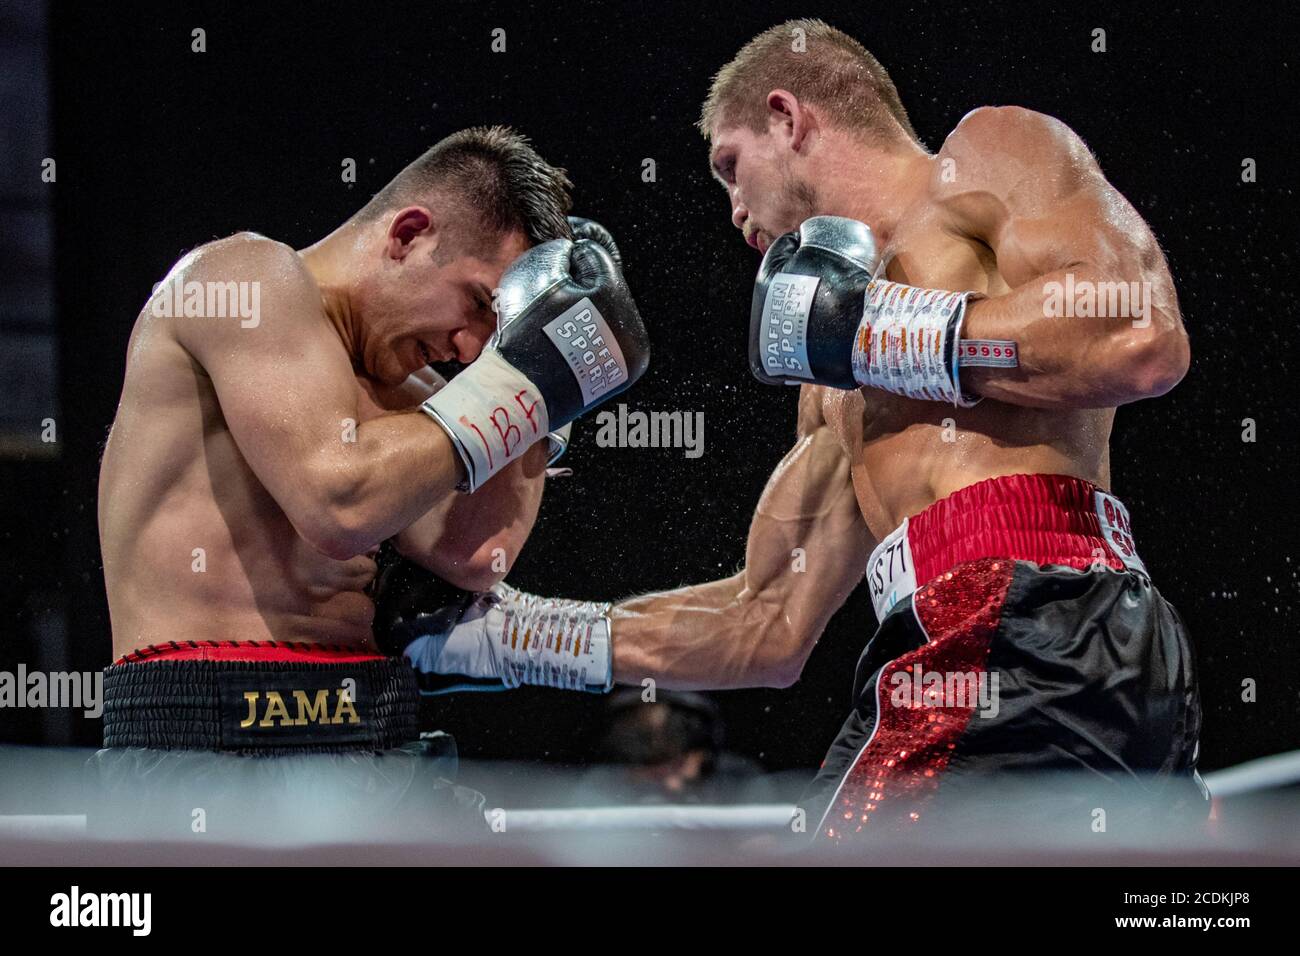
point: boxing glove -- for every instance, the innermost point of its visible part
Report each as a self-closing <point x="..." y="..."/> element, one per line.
<point x="568" y="338"/>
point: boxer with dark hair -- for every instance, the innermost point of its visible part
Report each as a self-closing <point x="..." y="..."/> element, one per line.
<point x="259" y="459"/>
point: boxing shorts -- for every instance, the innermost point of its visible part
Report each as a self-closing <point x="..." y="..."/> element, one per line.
<point x="189" y="725"/>
<point x="1020" y="641"/>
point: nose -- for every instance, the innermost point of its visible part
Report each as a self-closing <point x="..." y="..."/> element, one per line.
<point x="739" y="214"/>
<point x="467" y="345"/>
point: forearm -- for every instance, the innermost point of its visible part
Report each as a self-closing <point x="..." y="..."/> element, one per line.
<point x="807" y="548"/>
<point x="706" y="636"/>
<point x="1134" y="349"/>
<point x="474" y="540"/>
<point x="398" y="468"/>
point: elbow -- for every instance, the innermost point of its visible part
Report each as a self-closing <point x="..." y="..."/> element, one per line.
<point x="335" y="535"/>
<point x="786" y="654"/>
<point x="783" y="677"/>
<point x="479" y="569"/>
<point x="472" y="575"/>
<point x="333" y="521"/>
<point x="489" y="563"/>
<point x="1165" y="363"/>
<point x="1156" y="359"/>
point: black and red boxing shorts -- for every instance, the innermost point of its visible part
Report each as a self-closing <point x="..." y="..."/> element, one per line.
<point x="275" y="742"/>
<point x="1020" y="640"/>
<point x="259" y="697"/>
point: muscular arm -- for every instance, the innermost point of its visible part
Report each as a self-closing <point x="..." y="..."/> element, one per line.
<point x="470" y="541"/>
<point x="287" y="393"/>
<point x="758" y="627"/>
<point x="1026" y="186"/>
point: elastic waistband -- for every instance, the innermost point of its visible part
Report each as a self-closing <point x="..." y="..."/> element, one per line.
<point x="282" y="651"/>
<point x="261" y="706"/>
<point x="1046" y="519"/>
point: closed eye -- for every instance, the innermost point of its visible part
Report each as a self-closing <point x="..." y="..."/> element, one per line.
<point x="724" y="168"/>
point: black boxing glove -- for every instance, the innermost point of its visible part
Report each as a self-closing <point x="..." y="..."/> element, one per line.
<point x="410" y="600"/>
<point x="590" y="229"/>
<point x="569" y="337"/>
<point x="821" y="314"/>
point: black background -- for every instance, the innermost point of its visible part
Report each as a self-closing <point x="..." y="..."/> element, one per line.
<point x="160" y="149"/>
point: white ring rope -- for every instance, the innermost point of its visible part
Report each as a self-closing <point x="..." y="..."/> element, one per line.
<point x="763" y="816"/>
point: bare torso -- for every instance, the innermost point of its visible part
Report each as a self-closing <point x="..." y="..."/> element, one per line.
<point x="907" y="454"/>
<point x="865" y="460"/>
<point x="194" y="546"/>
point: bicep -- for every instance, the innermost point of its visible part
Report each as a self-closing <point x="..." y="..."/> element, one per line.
<point x="1028" y="187"/>
<point x="1092" y="227"/>
<point x="284" y="386"/>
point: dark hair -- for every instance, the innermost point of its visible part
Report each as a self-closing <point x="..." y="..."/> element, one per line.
<point x="495" y="175"/>
<point x="817" y="63"/>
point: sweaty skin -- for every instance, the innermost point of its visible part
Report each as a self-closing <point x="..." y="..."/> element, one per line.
<point x="235" y="503"/>
<point x="1011" y="202"/>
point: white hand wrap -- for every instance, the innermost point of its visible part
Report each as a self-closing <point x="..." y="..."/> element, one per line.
<point x="492" y="413"/>
<point x="906" y="342"/>
<point x="909" y="343"/>
<point x="520" y="638"/>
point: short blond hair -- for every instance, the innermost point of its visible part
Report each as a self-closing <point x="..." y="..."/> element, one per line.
<point x="820" y="65"/>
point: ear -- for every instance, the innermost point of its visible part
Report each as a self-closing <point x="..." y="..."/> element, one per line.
<point x="790" y="117"/>
<point x="405" y="227"/>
